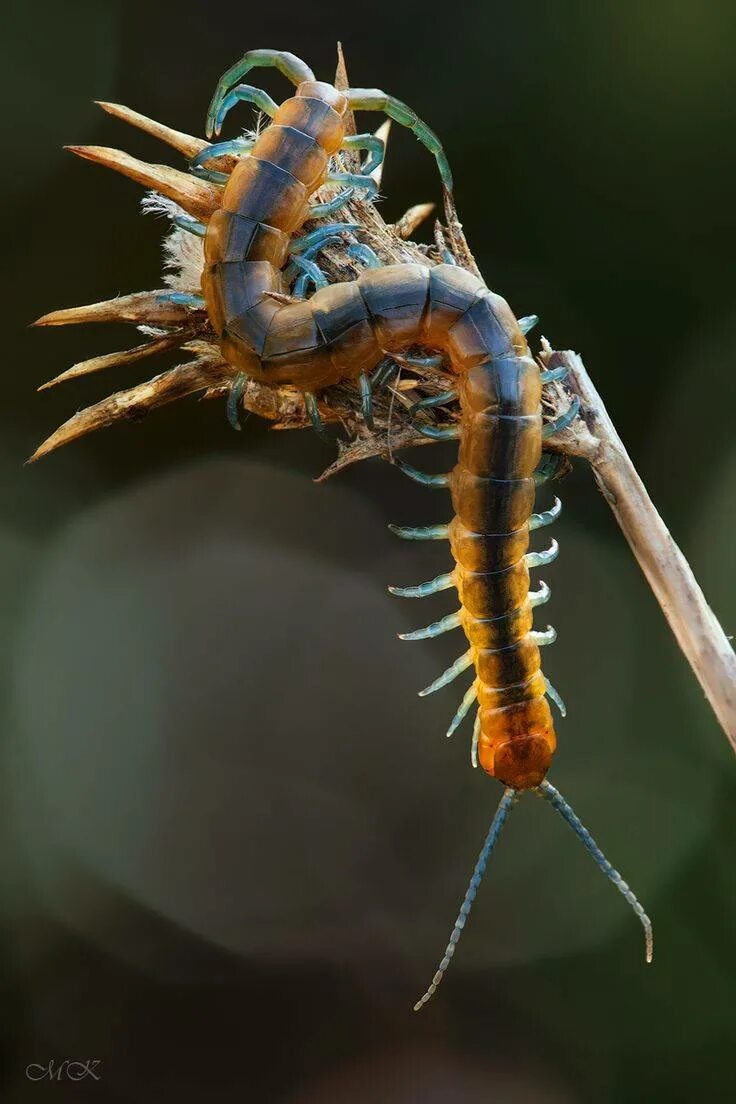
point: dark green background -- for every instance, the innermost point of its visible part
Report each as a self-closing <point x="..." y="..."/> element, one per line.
<point x="234" y="839"/>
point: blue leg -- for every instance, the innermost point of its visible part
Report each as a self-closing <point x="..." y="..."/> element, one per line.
<point x="555" y="697"/>
<point x="190" y="225"/>
<point x="316" y="239"/>
<point x="452" y="672"/>
<point x="355" y="180"/>
<point x="423" y="477"/>
<point x="439" y="433"/>
<point x="244" y="93"/>
<point x="537" y="521"/>
<point x="365" y="255"/>
<point x="293" y="68"/>
<point x="238" y="147"/>
<point x="539" y="597"/>
<point x="505" y="806"/>
<point x="183" y="298"/>
<point x="373" y="99"/>
<point x="310" y="401"/>
<point x="332" y="206"/>
<point x="548" y="636"/>
<point x="366" y="399"/>
<point x="434" y="586"/>
<point x="376" y="148"/>
<point x="235" y="394"/>
<point x="452" y="621"/>
<point x="564" y="420"/>
<point x="383" y="373"/>
<point x="421" y="362"/>
<point x="547" y="468"/>
<point x="428" y="532"/>
<point x="539" y="559"/>
<point x="553" y="374"/>
<point x="474" y="743"/>
<point x="432" y="400"/>
<point x="309" y="272"/>
<point x="528" y="322"/>
<point x="463" y="709"/>
<point x="558" y="802"/>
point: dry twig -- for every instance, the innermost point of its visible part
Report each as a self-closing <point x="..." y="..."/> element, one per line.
<point x="593" y="437"/>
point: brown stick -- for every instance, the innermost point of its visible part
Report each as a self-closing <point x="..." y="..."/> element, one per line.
<point x="695" y="627"/>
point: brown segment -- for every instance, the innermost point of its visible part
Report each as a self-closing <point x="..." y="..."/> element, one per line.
<point x="343" y="330"/>
<point x="313" y="117"/>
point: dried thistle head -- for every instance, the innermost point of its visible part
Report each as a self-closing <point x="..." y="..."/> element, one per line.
<point x="174" y="317"/>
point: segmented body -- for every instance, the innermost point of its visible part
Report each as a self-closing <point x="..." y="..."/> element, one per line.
<point x="342" y="332"/>
<point x="346" y="329"/>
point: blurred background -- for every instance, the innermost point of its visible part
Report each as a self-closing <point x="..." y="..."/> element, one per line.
<point x="234" y="839"/>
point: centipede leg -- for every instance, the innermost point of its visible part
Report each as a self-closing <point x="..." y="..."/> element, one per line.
<point x="546" y="517"/>
<point x="309" y="272"/>
<point x="554" y="696"/>
<point x="293" y="68"/>
<point x="528" y="322"/>
<point x="446" y="624"/>
<point x="192" y="226"/>
<point x="310" y="401"/>
<point x="432" y="400"/>
<point x="461" y="664"/>
<point x="366" y="398"/>
<point x="439" y="433"/>
<point x="547" y="636"/>
<point x="354" y="180"/>
<point x="553" y="374"/>
<point x="383" y="373"/>
<point x="423" y="477"/>
<point x="564" y="420"/>
<point x="427" y="532"/>
<point x="376" y="148"/>
<point x="363" y="253"/>
<point x="316" y="239"/>
<point x="235" y="394"/>
<point x="182" y="298"/>
<point x="332" y="206"/>
<point x="463" y="709"/>
<point x="238" y="146"/>
<point x="540" y="559"/>
<point x="244" y="93"/>
<point x="547" y="468"/>
<point x="373" y="99"/>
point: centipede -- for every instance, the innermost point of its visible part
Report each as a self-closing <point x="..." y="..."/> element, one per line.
<point x="269" y="328"/>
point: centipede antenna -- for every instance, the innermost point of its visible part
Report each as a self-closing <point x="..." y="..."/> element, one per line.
<point x="504" y="808"/>
<point x="557" y="801"/>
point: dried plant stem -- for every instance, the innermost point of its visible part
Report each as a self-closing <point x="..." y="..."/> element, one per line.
<point x="668" y="573"/>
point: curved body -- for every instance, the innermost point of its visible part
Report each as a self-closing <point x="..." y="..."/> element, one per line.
<point x="344" y="330"/>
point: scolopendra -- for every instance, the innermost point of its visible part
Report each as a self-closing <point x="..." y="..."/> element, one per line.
<point x="257" y="272"/>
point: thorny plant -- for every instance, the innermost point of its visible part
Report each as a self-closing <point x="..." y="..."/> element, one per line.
<point x="181" y="323"/>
